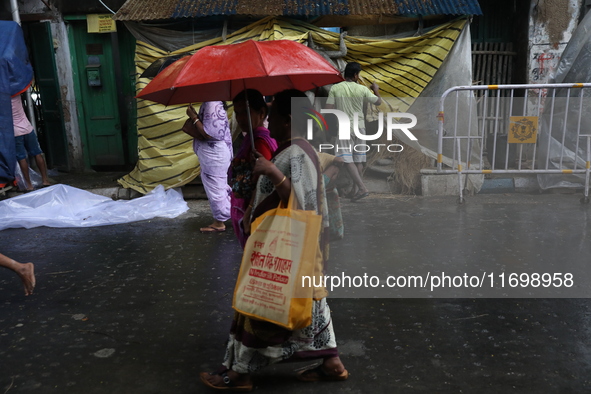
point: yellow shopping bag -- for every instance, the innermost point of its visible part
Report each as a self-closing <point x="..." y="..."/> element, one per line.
<point x="282" y="248"/>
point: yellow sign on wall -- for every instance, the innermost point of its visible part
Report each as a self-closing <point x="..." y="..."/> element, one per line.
<point x="523" y="129"/>
<point x="100" y="23"/>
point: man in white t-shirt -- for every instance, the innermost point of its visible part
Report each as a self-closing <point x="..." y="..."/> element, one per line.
<point x="27" y="144"/>
<point x="349" y="96"/>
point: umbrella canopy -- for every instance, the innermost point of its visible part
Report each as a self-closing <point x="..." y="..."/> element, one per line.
<point x="220" y="72"/>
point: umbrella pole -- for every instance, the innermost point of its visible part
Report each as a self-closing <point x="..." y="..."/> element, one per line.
<point x="249" y="119"/>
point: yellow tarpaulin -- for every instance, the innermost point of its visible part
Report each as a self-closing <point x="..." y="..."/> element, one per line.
<point x="401" y="67"/>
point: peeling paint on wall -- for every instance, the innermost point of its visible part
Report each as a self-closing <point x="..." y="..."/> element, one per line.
<point x="556" y="16"/>
<point x="65" y="108"/>
<point x="65" y="78"/>
<point x="31" y="7"/>
<point x="552" y="23"/>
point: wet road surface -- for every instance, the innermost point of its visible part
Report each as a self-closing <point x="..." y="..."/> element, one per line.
<point x="144" y="307"/>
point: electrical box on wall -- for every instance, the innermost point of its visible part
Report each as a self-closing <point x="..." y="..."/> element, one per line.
<point x="93" y="75"/>
<point x="93" y="71"/>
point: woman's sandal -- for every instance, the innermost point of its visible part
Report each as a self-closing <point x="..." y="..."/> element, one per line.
<point x="317" y="374"/>
<point x="228" y="383"/>
<point x="211" y="229"/>
<point x="359" y="196"/>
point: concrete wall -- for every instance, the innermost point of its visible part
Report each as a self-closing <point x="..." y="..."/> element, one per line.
<point x="39" y="11"/>
<point x="551" y="25"/>
<point x="31" y="7"/>
<point x="66" y="78"/>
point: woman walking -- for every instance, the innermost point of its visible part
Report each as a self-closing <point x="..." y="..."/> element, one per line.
<point x="254" y="344"/>
<point x="241" y="179"/>
<point x="213" y="145"/>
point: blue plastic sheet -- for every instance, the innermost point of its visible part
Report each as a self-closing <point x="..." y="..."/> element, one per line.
<point x="16" y="74"/>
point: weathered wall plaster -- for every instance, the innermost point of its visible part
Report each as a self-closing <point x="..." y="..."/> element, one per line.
<point x="552" y="23"/>
<point x="65" y="76"/>
<point x="31" y="7"/>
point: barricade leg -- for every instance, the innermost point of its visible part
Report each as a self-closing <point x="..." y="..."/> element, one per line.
<point x="585" y="199"/>
<point x="460" y="185"/>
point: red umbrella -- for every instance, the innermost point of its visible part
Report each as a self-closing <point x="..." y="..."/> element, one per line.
<point x="220" y="72"/>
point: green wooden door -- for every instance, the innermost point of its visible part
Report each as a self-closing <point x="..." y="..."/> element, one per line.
<point x="97" y="97"/>
<point x="51" y="130"/>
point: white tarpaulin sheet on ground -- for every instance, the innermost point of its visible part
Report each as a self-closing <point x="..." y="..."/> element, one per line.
<point x="66" y="206"/>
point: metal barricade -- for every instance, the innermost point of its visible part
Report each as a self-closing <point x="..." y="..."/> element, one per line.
<point x="548" y="131"/>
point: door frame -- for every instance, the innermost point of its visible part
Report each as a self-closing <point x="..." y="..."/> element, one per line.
<point x="119" y="70"/>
